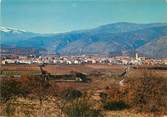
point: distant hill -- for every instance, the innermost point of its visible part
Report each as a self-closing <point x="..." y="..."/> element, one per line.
<point x="114" y="39"/>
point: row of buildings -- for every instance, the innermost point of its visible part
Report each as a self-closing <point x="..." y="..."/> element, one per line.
<point x="125" y="60"/>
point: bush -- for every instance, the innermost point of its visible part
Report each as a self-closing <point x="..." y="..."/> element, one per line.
<point x="103" y="97"/>
<point x="148" y="94"/>
<point x="9" y="109"/>
<point x="120" y="105"/>
<point x="10" y="89"/>
<point x="113" y="98"/>
<point x="70" y="94"/>
<point x="81" y="108"/>
<point x="39" y="88"/>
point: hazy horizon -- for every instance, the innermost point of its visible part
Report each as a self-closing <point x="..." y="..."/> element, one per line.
<point x="55" y="16"/>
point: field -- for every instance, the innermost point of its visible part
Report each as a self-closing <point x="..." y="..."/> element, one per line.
<point x="64" y="69"/>
<point x="103" y="78"/>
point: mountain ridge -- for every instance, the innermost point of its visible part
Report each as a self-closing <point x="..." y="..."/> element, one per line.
<point x="116" y="39"/>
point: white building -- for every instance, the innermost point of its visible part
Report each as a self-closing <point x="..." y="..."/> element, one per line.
<point x="10" y="61"/>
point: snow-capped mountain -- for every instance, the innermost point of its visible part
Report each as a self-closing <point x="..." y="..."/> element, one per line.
<point x="10" y="36"/>
<point x="13" y="30"/>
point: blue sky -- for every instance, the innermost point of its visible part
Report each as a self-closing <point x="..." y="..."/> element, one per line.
<point x="54" y="16"/>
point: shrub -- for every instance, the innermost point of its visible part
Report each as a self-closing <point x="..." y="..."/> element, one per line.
<point x="70" y="94"/>
<point x="10" y="89"/>
<point x="39" y="88"/>
<point x="9" y="109"/>
<point x="103" y="97"/>
<point x="81" y="108"/>
<point x="119" y="105"/>
<point x="148" y="94"/>
<point x="113" y="98"/>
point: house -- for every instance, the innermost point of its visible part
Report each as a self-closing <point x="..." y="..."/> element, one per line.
<point x="164" y="61"/>
<point x="76" y="62"/>
<point x="10" y="61"/>
<point x="3" y="62"/>
<point x="68" y="62"/>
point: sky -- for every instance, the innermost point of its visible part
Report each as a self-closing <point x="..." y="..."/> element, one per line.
<point x="56" y="16"/>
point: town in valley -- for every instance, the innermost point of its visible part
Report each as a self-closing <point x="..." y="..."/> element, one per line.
<point x="83" y="59"/>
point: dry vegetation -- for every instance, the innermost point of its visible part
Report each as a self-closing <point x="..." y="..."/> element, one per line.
<point x="142" y="94"/>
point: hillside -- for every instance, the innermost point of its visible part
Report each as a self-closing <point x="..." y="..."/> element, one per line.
<point x="157" y="48"/>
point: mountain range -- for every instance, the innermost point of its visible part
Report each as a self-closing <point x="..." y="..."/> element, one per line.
<point x="112" y="39"/>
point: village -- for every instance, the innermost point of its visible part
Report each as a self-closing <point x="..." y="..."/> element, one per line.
<point x="83" y="59"/>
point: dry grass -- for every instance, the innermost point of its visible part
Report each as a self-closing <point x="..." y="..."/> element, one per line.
<point x="24" y="107"/>
<point x="32" y="108"/>
<point x="127" y="113"/>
